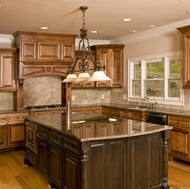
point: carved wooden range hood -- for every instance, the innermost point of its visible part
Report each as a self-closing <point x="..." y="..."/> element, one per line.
<point x="41" y="54"/>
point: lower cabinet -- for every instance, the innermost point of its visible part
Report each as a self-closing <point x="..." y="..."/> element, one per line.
<point x="180" y="137"/>
<point x="12" y="133"/>
<point x="71" y="171"/>
<point x="43" y="156"/>
<point x="3" y="136"/>
<point x="133" y="162"/>
<point x="55" y="166"/>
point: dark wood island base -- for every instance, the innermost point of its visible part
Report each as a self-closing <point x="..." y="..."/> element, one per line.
<point x="100" y="153"/>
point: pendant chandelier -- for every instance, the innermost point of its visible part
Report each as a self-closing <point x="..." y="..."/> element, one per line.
<point x="81" y="60"/>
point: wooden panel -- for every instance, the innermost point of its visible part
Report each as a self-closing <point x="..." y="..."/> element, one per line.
<point x="55" y="166"/>
<point x="115" y="163"/>
<point x="3" y="136"/>
<point x="71" y="172"/>
<point x="179" y="141"/>
<point x="103" y="56"/>
<point x="17" y="133"/>
<point x="117" y="76"/>
<point x="68" y="52"/>
<point x="43" y="156"/>
<point x="97" y="166"/>
<point x="137" y="171"/>
<point x="154" y="160"/>
<point x="111" y="111"/>
<point x="178" y="121"/>
<point x="7" y="61"/>
<point x="48" y="50"/>
<point x="28" y="50"/>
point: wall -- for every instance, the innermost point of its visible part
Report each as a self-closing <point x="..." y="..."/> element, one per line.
<point x="166" y="42"/>
<point x="42" y="90"/>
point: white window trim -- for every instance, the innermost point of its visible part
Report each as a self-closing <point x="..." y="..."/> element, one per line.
<point x="161" y="100"/>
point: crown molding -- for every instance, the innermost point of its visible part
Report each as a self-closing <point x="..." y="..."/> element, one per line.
<point x="152" y="33"/>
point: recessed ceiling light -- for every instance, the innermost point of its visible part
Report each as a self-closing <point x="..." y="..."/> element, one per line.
<point x="44" y="28"/>
<point x="134" y="31"/>
<point x="126" y="19"/>
<point x="152" y="26"/>
<point x="94" y="31"/>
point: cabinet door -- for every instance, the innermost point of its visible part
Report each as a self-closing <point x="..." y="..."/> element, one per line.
<point x="180" y="144"/>
<point x="117" y="68"/>
<point x="49" y="51"/>
<point x="55" y="166"/>
<point x="28" y="50"/>
<point x="111" y="111"/>
<point x="17" y="135"/>
<point x="3" y="136"/>
<point x="43" y="156"/>
<point x="91" y="66"/>
<point x="71" y="172"/>
<point x="105" y="56"/>
<point x="6" y="74"/>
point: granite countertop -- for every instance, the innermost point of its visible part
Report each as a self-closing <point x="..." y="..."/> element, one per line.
<point x="88" y="127"/>
<point x="132" y="107"/>
<point x="119" y="106"/>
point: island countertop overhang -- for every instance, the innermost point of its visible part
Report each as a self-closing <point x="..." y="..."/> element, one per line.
<point x="90" y="127"/>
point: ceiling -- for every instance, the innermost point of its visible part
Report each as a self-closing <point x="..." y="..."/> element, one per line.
<point x="104" y="16"/>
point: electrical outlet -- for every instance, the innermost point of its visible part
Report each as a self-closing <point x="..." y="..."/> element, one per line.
<point x="73" y="98"/>
<point x="103" y="96"/>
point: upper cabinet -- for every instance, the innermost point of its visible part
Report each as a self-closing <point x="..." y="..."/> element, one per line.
<point x="44" y="53"/>
<point x="91" y="66"/>
<point x="7" y="61"/>
<point x="186" y="66"/>
<point x="111" y="56"/>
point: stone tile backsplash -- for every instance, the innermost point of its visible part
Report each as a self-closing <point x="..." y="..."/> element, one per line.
<point x="42" y="90"/>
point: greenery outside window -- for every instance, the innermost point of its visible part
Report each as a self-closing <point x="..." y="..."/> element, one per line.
<point x="156" y="77"/>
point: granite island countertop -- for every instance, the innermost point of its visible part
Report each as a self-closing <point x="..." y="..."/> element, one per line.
<point x="90" y="127"/>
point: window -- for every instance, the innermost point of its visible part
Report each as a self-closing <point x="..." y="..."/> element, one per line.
<point x="156" y="77"/>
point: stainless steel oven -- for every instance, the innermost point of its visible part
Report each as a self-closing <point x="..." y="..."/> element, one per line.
<point x="31" y="137"/>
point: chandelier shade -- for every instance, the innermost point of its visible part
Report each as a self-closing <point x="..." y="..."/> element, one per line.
<point x="82" y="62"/>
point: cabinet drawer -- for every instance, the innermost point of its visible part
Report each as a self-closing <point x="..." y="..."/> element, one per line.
<point x="56" y="138"/>
<point x="111" y="111"/>
<point x="135" y="115"/>
<point x="17" y="118"/>
<point x="72" y="145"/>
<point x="43" y="132"/>
<point x="3" y="120"/>
<point x="178" y="121"/>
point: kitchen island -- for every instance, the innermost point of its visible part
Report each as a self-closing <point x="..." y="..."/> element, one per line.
<point x="90" y="151"/>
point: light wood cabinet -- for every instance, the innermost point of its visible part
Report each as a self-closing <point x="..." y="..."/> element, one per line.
<point x="180" y="137"/>
<point x="111" y="111"/>
<point x="45" y="112"/>
<point x="12" y="130"/>
<point x="93" y="109"/>
<point x="112" y="57"/>
<point x="132" y="114"/>
<point x="44" y="53"/>
<point x="91" y="66"/>
<point x="7" y="65"/>
<point x="186" y="59"/>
